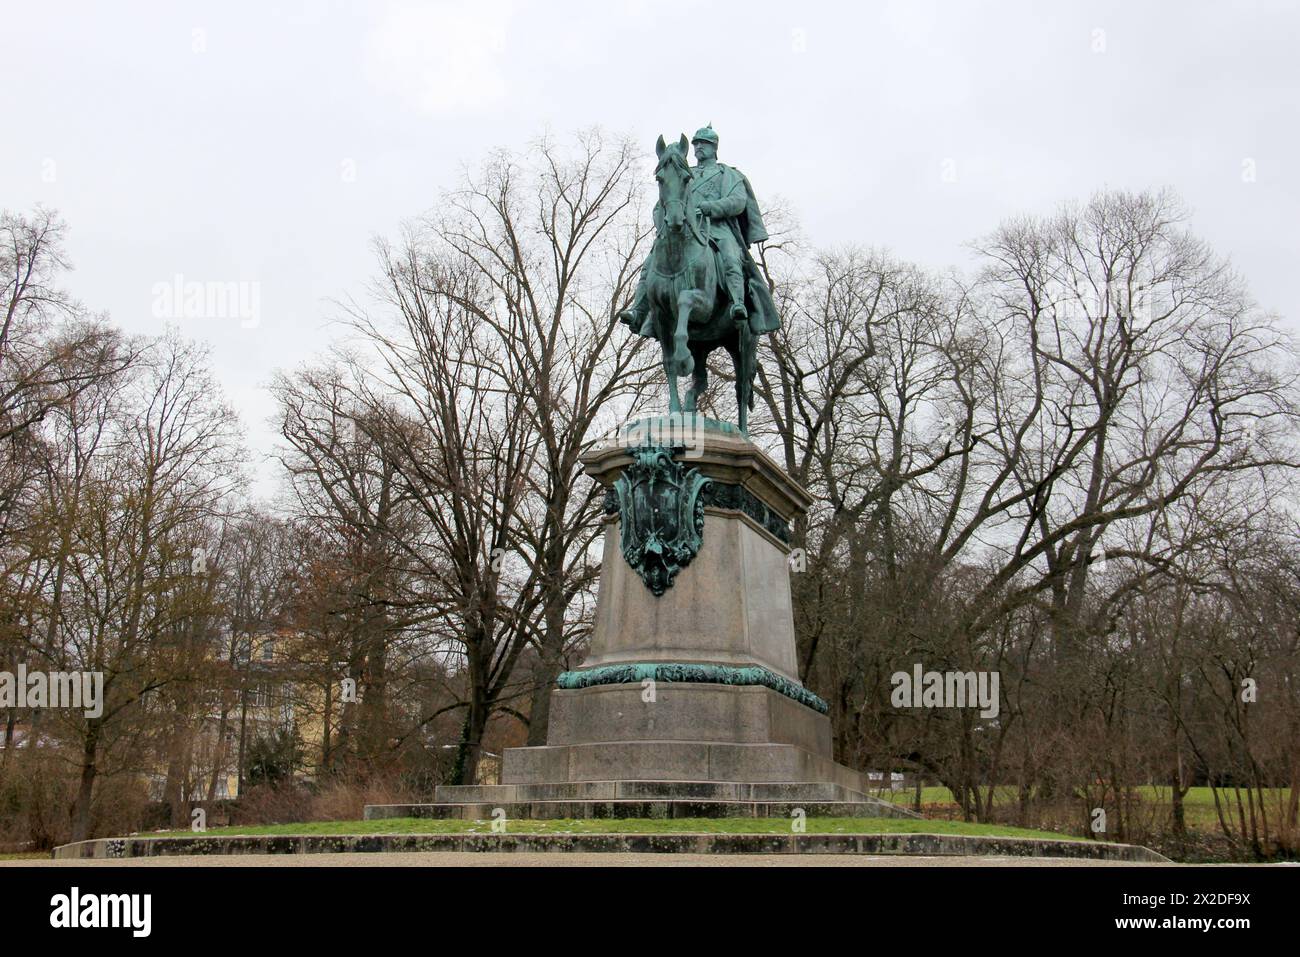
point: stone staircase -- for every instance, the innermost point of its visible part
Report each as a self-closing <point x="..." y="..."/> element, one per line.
<point x="642" y="799"/>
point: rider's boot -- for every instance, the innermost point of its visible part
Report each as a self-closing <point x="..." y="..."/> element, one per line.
<point x="637" y="319"/>
<point x="633" y="317"/>
<point x="638" y="314"/>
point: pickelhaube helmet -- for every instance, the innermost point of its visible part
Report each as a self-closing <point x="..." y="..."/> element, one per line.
<point x="706" y="134"/>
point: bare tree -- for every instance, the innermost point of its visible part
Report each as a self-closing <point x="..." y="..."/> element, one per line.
<point x="557" y="240"/>
<point x="168" y="464"/>
<point x="983" y="449"/>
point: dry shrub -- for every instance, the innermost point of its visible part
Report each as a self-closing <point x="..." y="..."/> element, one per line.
<point x="37" y="792"/>
<point x="120" y="806"/>
<point x="346" y="801"/>
<point x="336" y="800"/>
<point x="35" y="795"/>
<point x="272" y="804"/>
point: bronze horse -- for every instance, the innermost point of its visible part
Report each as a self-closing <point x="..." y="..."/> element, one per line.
<point x="690" y="312"/>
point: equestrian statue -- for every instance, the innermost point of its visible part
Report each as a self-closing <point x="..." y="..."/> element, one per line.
<point x="699" y="288"/>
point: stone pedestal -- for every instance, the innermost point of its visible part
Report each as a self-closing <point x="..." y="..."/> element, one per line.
<point x="688" y="702"/>
<point x="699" y="684"/>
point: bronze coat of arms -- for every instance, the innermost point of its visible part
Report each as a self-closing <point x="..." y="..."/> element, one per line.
<point x="661" y="515"/>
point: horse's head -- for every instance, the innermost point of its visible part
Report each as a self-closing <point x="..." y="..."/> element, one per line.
<point x="674" y="177"/>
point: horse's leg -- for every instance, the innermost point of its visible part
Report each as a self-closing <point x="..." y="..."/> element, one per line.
<point x="749" y="342"/>
<point x="686" y="301"/>
<point x="705" y="300"/>
<point x="745" y="378"/>
<point x="700" y="354"/>
<point x="670" y="369"/>
<point x="674" y="403"/>
<point x="736" y="349"/>
<point x="664" y="331"/>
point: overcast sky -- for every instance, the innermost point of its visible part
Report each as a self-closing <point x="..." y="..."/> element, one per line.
<point x="268" y="143"/>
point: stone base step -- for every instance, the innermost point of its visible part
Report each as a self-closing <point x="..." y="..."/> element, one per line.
<point x="729" y="761"/>
<point x="653" y="810"/>
<point x="775" y="791"/>
<point x="643" y="799"/>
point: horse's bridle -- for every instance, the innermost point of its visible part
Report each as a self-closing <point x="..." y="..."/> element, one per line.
<point x="694" y="219"/>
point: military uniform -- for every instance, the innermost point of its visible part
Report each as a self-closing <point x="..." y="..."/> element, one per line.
<point x="732" y="222"/>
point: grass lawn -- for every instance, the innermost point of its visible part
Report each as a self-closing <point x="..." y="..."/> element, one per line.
<point x="725" y="825"/>
<point x="1198" y="803"/>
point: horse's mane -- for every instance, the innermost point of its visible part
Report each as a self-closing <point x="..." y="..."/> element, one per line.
<point x="674" y="154"/>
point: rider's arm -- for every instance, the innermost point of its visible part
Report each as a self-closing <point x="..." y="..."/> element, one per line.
<point x="729" y="205"/>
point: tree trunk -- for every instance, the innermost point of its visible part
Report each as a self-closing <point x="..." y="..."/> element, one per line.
<point x="85" y="790"/>
<point x="10" y="721"/>
<point x="551" y="660"/>
<point x="218" y="752"/>
<point x="471" y="738"/>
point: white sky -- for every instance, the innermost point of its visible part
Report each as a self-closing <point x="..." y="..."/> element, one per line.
<point x="212" y="140"/>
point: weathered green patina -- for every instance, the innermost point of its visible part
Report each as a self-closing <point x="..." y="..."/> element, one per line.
<point x="661" y="515"/>
<point x="730" y="496"/>
<point x="684" y="432"/>
<point x="700" y="288"/>
<point x="675" y="429"/>
<point x="691" y="674"/>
